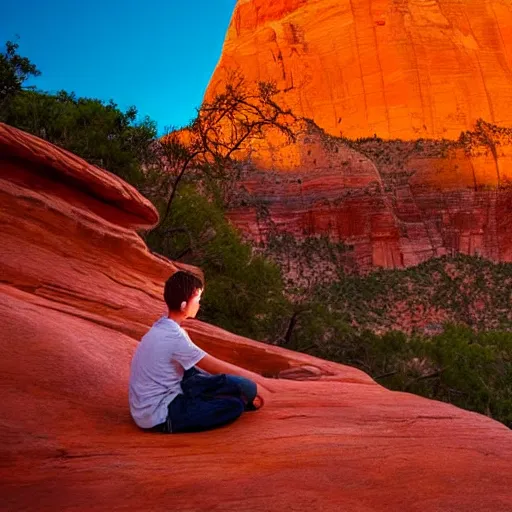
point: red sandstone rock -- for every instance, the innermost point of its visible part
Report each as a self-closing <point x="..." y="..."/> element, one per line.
<point x="404" y="70"/>
<point x="398" y="69"/>
<point x="78" y="289"/>
<point x="394" y="214"/>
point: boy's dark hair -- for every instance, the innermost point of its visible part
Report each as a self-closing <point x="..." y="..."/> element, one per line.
<point x="179" y="288"/>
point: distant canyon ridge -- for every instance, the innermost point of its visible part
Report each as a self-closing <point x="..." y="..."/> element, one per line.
<point x="406" y="78"/>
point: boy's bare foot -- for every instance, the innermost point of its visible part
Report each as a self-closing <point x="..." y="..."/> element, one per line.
<point x="256" y="404"/>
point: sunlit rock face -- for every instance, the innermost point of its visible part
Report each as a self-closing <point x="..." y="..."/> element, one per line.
<point x="389" y="69"/>
<point x="395" y="204"/>
<point x="79" y="288"/>
<point x="395" y="68"/>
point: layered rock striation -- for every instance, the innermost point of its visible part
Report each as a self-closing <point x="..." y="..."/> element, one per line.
<point x="407" y="72"/>
<point x="79" y="287"/>
<point x="402" y="69"/>
<point x="394" y="204"/>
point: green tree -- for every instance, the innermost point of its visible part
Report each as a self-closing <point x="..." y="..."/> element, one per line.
<point x="472" y="370"/>
<point x="14" y="71"/>
<point x="244" y="292"/>
<point x="97" y="131"/>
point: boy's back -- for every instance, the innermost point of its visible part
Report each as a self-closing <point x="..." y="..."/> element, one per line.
<point x="158" y="364"/>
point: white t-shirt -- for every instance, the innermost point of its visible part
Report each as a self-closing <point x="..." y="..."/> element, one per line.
<point x="158" y="364"/>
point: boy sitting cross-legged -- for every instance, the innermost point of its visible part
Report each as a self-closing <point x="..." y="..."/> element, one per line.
<point x="172" y="388"/>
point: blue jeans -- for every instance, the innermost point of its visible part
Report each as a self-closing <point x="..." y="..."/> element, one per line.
<point x="248" y="387"/>
<point x="196" y="413"/>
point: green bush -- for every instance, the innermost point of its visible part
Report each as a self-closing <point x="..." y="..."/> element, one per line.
<point x="244" y="292"/>
<point x="98" y="132"/>
<point x="475" y="371"/>
<point x="460" y="366"/>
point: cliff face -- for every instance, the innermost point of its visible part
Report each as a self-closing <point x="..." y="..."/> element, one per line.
<point x="394" y="204"/>
<point x="381" y="69"/>
<point x="395" y="68"/>
<point x="79" y="288"/>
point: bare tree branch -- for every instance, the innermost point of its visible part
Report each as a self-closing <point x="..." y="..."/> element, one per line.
<point x="423" y="377"/>
<point x="222" y="129"/>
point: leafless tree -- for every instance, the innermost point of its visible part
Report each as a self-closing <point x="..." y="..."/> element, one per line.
<point x="223" y="129"/>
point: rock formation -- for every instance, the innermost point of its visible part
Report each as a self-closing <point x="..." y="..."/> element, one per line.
<point x="394" y="203"/>
<point x="78" y="289"/>
<point x="402" y="69"/>
<point x="391" y="70"/>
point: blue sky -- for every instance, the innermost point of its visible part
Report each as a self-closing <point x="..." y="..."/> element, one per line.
<point x="158" y="55"/>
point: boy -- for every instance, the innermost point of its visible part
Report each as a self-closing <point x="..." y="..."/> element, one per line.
<point x="168" y="393"/>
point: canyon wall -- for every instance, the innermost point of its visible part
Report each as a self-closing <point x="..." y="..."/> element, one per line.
<point x="419" y="72"/>
<point x="395" y="204"/>
<point x="403" y="69"/>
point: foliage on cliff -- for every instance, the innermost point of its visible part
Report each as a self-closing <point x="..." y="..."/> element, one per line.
<point x="462" y="289"/>
<point x="395" y="158"/>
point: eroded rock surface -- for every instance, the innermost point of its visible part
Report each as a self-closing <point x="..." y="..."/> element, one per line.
<point x="78" y="289"/>
<point x="395" y="204"/>
<point x="396" y="68"/>
<point x="383" y="69"/>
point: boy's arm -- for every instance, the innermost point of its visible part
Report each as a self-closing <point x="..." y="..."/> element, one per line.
<point x="213" y="365"/>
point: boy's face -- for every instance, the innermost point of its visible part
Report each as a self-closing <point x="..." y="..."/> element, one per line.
<point x="193" y="303"/>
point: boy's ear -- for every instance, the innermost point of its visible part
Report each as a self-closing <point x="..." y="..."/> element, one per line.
<point x="183" y="305"/>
